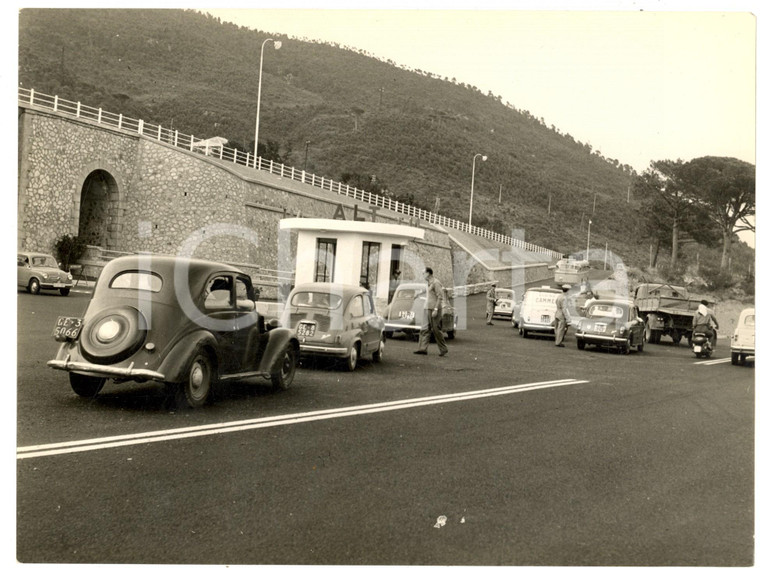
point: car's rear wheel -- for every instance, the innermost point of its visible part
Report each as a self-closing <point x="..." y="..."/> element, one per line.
<point x="581" y="344"/>
<point x="734" y="358"/>
<point x="34" y="286"/>
<point x="286" y="369"/>
<point x="65" y="291"/>
<point x="197" y="377"/>
<point x="524" y="332"/>
<point x="353" y="357"/>
<point x="640" y="346"/>
<point x="451" y="334"/>
<point x="377" y="356"/>
<point x="84" y="386"/>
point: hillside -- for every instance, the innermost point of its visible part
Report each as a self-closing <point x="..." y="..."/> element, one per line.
<point x="416" y="133"/>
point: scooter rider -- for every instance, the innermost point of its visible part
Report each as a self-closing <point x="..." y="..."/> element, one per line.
<point x="704" y="322"/>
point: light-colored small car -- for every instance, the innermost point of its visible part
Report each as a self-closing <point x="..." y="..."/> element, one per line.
<point x="38" y="271"/>
<point x="743" y="339"/>
<point x="335" y="320"/>
<point x="505" y="303"/>
<point x="406" y="310"/>
<point x="611" y="323"/>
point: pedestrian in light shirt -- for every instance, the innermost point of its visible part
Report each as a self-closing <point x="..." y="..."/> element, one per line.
<point x="434" y="314"/>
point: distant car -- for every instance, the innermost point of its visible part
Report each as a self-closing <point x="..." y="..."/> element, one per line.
<point x="38" y="271"/>
<point x="743" y="339"/>
<point x="505" y="303"/>
<point x="611" y="323"/>
<point x="335" y="320"/>
<point x="537" y="310"/>
<point x="186" y="323"/>
<point x="406" y="310"/>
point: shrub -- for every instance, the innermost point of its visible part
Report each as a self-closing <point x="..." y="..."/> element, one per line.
<point x="69" y="249"/>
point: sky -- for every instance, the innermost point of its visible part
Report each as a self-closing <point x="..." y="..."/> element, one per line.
<point x="636" y="85"/>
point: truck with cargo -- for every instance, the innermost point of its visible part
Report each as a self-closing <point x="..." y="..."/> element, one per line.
<point x="666" y="310"/>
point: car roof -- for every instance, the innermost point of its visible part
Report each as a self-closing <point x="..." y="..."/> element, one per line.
<point x="616" y="301"/>
<point x="329" y="287"/>
<point x="34" y="253"/>
<point x="544" y="289"/>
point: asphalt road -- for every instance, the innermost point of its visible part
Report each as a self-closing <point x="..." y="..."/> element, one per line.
<point x="534" y="455"/>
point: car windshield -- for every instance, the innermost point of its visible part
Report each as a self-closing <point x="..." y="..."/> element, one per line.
<point x="605" y="311"/>
<point x="504" y="295"/>
<point x="134" y="280"/>
<point x="44" y="261"/>
<point x="316" y="300"/>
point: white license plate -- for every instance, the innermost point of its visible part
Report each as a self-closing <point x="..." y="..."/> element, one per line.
<point x="697" y="349"/>
<point x="600" y="327"/>
<point x="59" y="285"/>
<point x="545" y="319"/>
<point x="305" y="329"/>
<point x="406" y="315"/>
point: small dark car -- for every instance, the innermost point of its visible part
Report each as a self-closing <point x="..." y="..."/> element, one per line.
<point x="335" y="320"/>
<point x="406" y="310"/>
<point x="37" y="271"/>
<point x="611" y="323"/>
<point x="183" y="322"/>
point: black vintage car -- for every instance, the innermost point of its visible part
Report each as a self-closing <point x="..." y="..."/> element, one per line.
<point x="184" y="322"/>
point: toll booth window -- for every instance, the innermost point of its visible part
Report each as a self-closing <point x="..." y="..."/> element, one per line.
<point x="324" y="271"/>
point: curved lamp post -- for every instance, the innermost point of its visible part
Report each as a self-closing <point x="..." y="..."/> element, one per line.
<point x="277" y="45"/>
<point x="472" y="184"/>
<point x="588" y="238"/>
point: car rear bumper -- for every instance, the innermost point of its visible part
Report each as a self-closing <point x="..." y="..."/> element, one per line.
<point x="743" y="350"/>
<point x="596" y="338"/>
<point x="389" y="326"/>
<point x="105" y="370"/>
<point x="324" y="350"/>
<point x="538" y="327"/>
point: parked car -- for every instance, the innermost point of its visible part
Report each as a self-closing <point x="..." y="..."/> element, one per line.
<point x="183" y="322"/>
<point x="743" y="339"/>
<point x="537" y="309"/>
<point x="38" y="271"/>
<point x="406" y="310"/>
<point x="611" y="323"/>
<point x="505" y="303"/>
<point x="335" y="320"/>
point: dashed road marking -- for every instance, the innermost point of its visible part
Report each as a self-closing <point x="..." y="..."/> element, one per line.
<point x="713" y="361"/>
<point x="272" y="421"/>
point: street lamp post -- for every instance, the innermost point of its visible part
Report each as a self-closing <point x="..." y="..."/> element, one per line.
<point x="588" y="238"/>
<point x="472" y="184"/>
<point x="277" y="45"/>
<point x="306" y="155"/>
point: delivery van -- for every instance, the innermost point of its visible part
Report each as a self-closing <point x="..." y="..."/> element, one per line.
<point x="537" y="310"/>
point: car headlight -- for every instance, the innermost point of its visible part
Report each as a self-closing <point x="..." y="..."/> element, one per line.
<point x="622" y="330"/>
<point x="68" y="276"/>
<point x="44" y="275"/>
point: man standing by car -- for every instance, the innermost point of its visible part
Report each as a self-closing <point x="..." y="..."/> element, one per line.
<point x="561" y="317"/>
<point x="490" y="303"/>
<point x="434" y="314"/>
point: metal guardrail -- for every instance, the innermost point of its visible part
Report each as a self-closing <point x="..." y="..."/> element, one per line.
<point x="188" y="142"/>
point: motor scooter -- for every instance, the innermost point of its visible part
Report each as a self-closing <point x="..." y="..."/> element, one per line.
<point x="701" y="344"/>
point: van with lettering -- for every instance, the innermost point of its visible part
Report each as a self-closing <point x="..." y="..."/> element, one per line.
<point x="537" y="310"/>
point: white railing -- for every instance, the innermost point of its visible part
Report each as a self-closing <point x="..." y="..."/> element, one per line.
<point x="173" y="137"/>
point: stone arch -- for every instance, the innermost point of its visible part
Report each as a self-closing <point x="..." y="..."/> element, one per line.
<point x="98" y="209"/>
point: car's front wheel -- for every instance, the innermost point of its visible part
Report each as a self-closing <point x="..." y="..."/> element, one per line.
<point x="286" y="369"/>
<point x="65" y="291"/>
<point x="451" y="334"/>
<point x="353" y="358"/>
<point x="84" y="386"/>
<point x="581" y="344"/>
<point x="34" y="286"/>
<point x="195" y="388"/>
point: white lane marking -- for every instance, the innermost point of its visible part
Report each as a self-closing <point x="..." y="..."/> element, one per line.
<point x="255" y="423"/>
<point x="713" y="361"/>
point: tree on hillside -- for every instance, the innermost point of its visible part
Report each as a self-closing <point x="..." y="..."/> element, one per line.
<point x="725" y="187"/>
<point x="670" y="202"/>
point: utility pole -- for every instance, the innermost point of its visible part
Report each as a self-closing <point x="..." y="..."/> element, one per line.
<point x="550" y="204"/>
<point x="499" y="194"/>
